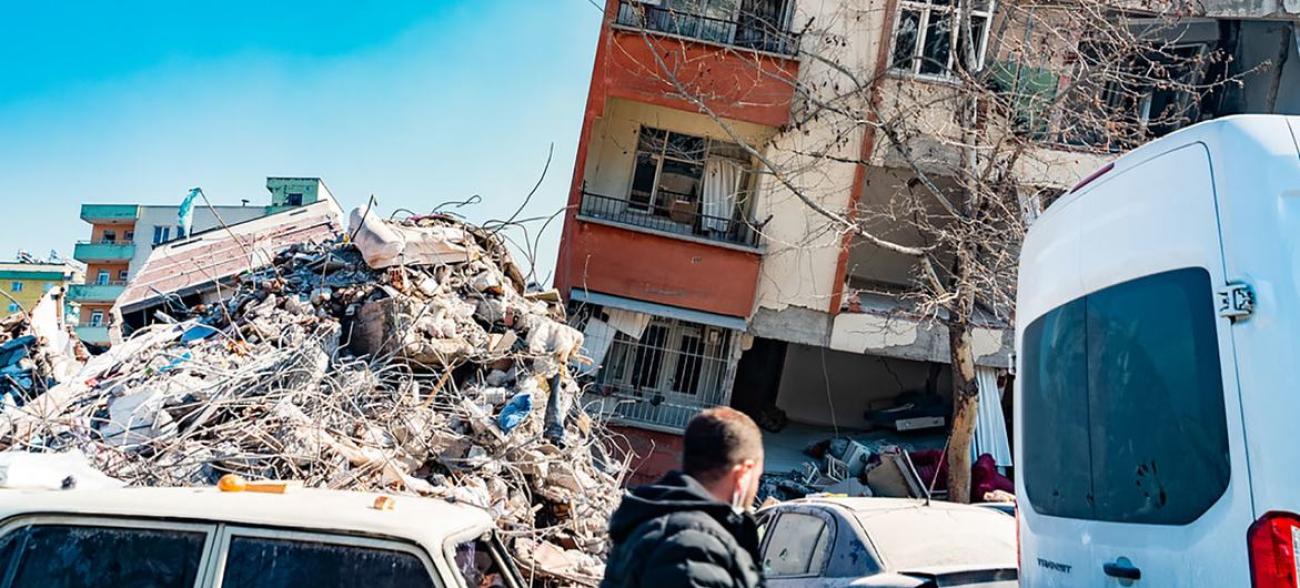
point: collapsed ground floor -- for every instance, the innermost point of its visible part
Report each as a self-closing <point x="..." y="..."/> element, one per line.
<point x="880" y="385"/>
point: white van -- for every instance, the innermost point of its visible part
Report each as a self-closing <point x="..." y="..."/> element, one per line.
<point x="1158" y="389"/>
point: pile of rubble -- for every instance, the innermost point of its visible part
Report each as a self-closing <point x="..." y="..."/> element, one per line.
<point x="406" y="356"/>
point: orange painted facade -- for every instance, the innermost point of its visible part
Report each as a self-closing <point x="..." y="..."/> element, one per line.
<point x="88" y="309"/>
<point x="114" y="272"/>
<point x="654" y="268"/>
<point x="654" y="453"/>
<point x="118" y="232"/>
<point x="738" y="84"/>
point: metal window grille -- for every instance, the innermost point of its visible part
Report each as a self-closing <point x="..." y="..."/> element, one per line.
<point x="663" y="379"/>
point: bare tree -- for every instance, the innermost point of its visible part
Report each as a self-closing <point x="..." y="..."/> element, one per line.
<point x="986" y="110"/>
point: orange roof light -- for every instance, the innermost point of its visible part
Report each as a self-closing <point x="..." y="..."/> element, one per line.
<point x="234" y="483"/>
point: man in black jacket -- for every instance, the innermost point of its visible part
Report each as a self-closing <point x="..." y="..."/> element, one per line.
<point x="692" y="528"/>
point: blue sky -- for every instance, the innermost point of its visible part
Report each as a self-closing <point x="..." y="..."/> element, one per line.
<point x="416" y="102"/>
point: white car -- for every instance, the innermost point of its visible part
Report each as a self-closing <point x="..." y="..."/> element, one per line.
<point x="887" y="543"/>
<point x="1157" y="390"/>
<point x="187" y="537"/>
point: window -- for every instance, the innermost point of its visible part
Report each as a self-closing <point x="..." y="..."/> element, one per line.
<point x="672" y="371"/>
<point x="478" y="564"/>
<point x="129" y="236"/>
<point x="294" y="199"/>
<point x="108" y="237"/>
<point x="1123" y="404"/>
<point x="122" y="275"/>
<point x="15" y="307"/>
<point x="102" y="277"/>
<point x="42" y="556"/>
<point x="161" y="234"/>
<point x="927" y="31"/>
<point x="668" y="178"/>
<point x="262" y="562"/>
<point x="798" y="546"/>
<point x="97" y="318"/>
<point x="180" y="232"/>
<point x="15" y="286"/>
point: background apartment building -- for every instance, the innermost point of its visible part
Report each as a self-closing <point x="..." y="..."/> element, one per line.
<point x="123" y="235"/>
<point x="23" y="282"/>
<point x="702" y="278"/>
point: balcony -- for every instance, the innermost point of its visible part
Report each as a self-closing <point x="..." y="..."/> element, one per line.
<point x="96" y="292"/>
<point x="747" y="31"/>
<point x="86" y="251"/>
<point x="109" y="213"/>
<point x="675" y="214"/>
<point x="97" y="334"/>
<point x="742" y="71"/>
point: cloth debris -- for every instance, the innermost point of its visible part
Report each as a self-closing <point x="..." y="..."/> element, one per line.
<point x="410" y="359"/>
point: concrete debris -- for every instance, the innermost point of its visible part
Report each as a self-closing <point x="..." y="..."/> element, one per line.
<point x="409" y="359"/>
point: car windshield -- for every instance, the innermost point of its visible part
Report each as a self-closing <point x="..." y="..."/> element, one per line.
<point x="915" y="537"/>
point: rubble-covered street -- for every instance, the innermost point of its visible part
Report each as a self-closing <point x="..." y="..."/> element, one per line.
<point x="404" y="356"/>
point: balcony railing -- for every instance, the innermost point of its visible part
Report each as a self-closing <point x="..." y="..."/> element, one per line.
<point x="103" y="251"/>
<point x="92" y="333"/>
<point x="682" y="218"/>
<point x="749" y="32"/>
<point x="96" y="292"/>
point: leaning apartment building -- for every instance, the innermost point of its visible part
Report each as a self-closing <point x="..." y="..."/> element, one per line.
<point x="699" y="280"/>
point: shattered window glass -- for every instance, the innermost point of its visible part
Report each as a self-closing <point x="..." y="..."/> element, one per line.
<point x="260" y="562"/>
<point x="68" y="556"/>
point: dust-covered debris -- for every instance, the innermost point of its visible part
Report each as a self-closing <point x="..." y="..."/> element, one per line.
<point x="410" y="360"/>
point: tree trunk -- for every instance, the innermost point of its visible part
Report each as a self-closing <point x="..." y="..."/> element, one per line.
<point x="965" y="407"/>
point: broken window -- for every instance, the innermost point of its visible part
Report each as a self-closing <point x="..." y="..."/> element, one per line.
<point x="294" y="199"/>
<point x="669" y="179"/>
<point x="754" y="24"/>
<point x="929" y="36"/>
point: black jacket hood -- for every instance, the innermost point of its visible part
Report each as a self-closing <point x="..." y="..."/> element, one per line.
<point x="672" y="493"/>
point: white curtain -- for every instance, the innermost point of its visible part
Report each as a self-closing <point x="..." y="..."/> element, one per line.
<point x="597" y="338"/>
<point x="721" y="182"/>
<point x="990" y="425"/>
<point x="629" y="323"/>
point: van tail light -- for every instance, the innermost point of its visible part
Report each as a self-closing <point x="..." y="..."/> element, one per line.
<point x="1272" y="541"/>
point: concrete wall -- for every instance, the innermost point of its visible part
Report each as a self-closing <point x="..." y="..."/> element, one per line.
<point x="166" y="216"/>
<point x="815" y="379"/>
<point x="802" y="248"/>
<point x="312" y="189"/>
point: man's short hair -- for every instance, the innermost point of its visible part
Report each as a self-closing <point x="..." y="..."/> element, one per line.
<point x="717" y="439"/>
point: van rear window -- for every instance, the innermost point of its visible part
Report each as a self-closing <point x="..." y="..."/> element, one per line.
<point x="1123" y="404"/>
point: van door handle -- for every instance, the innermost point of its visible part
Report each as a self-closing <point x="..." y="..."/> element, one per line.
<point x="1122" y="569"/>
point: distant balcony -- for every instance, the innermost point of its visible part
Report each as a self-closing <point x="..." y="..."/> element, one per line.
<point x="86" y="251"/>
<point x="681" y="216"/>
<point x="96" y="292"/>
<point x="109" y="213"/>
<point x="748" y="31"/>
<point x="97" y="334"/>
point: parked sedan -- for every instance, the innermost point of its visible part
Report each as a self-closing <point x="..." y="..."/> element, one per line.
<point x="887" y="543"/>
